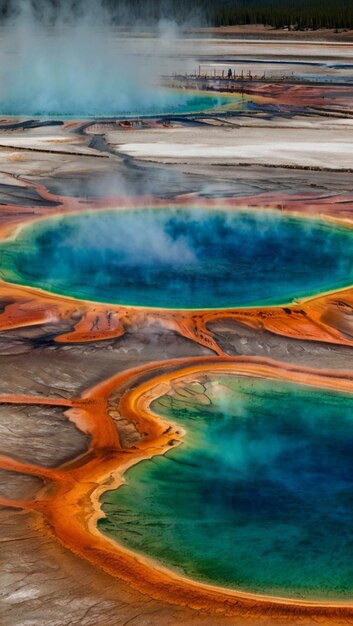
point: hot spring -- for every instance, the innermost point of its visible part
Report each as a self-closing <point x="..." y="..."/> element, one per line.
<point x="91" y="70"/>
<point x="164" y="102"/>
<point x="258" y="496"/>
<point x="186" y="258"/>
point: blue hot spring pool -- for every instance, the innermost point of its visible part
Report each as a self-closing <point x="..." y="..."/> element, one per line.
<point x="164" y="102"/>
<point x="258" y="496"/>
<point x="190" y="258"/>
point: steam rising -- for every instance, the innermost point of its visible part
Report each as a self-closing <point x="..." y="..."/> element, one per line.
<point x="181" y="258"/>
<point x="74" y="61"/>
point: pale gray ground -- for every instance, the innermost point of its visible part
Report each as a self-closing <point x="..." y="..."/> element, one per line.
<point x="39" y="434"/>
<point x="235" y="338"/>
<point x="18" y="486"/>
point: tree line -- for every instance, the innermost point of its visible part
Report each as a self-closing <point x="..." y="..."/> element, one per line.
<point x="312" y="14"/>
<point x="295" y="14"/>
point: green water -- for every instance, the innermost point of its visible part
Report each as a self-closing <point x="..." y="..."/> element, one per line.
<point x="191" y="258"/>
<point x="259" y="496"/>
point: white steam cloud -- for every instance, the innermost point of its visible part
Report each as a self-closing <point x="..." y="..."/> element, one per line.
<point x="75" y="61"/>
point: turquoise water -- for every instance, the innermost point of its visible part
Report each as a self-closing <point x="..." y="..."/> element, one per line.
<point x="259" y="496"/>
<point x="164" y="102"/>
<point x="181" y="258"/>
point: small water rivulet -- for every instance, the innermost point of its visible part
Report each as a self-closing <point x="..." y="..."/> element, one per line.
<point x="192" y="258"/>
<point x="258" y="496"/>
